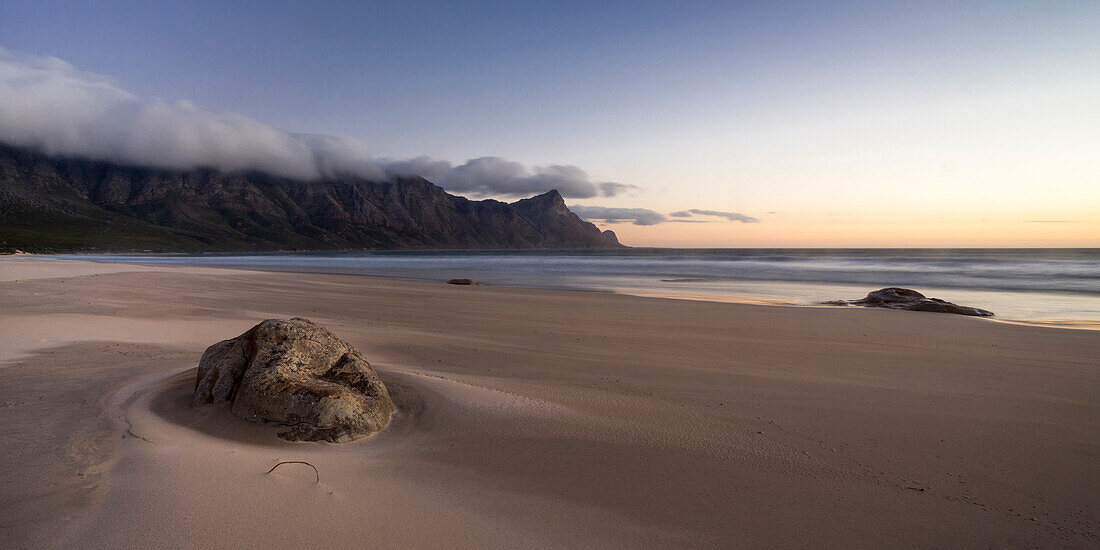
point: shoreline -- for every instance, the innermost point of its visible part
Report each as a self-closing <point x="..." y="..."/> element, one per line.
<point x="543" y="418"/>
<point x="645" y="293"/>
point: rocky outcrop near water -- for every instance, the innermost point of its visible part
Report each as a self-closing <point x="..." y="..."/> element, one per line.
<point x="70" y="204"/>
<point x="911" y="300"/>
<point x="297" y="374"/>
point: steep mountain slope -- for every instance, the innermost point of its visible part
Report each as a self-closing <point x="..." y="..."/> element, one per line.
<point x="49" y="203"/>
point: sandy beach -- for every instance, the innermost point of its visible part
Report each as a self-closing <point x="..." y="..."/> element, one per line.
<point x="540" y="419"/>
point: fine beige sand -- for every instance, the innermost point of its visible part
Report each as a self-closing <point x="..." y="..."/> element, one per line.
<point x="540" y="419"/>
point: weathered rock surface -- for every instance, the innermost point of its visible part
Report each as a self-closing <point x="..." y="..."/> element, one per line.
<point x="298" y="374"/>
<point x="466" y="282"/>
<point x="911" y="300"/>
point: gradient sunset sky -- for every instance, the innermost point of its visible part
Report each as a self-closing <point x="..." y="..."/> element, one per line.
<point x="831" y="123"/>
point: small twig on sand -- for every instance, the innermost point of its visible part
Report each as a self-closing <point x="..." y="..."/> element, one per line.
<point x="315" y="472"/>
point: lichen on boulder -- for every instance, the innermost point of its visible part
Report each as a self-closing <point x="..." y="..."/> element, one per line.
<point x="298" y="374"/>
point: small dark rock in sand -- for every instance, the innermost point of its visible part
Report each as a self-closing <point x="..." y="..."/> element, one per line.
<point x="904" y="298"/>
<point x="467" y="282"/>
<point x="298" y="374"/>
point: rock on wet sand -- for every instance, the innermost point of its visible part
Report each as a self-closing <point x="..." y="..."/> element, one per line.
<point x="911" y="300"/>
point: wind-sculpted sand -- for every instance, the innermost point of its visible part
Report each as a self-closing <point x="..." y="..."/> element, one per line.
<point x="542" y="419"/>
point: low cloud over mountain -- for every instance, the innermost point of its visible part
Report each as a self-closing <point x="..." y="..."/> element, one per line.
<point x="49" y="105"/>
<point x="494" y="176"/>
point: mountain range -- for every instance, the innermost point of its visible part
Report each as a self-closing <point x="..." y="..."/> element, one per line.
<point x="58" y="204"/>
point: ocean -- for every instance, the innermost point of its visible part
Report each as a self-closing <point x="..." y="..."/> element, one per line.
<point x="1045" y="286"/>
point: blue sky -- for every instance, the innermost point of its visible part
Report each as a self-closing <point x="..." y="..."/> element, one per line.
<point x="805" y="109"/>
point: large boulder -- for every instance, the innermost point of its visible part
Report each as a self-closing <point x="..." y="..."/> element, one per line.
<point x="298" y="374"/>
<point x="904" y="298"/>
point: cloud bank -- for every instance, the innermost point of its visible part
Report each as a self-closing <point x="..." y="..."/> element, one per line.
<point x="731" y="216"/>
<point x="49" y="105"/>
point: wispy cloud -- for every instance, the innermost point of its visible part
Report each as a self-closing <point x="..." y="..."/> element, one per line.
<point x="48" y="104"/>
<point x="731" y="216"/>
<point x="637" y="216"/>
<point x="643" y="216"/>
<point x="610" y="189"/>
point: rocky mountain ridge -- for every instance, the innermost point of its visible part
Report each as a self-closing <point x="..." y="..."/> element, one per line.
<point x="68" y="204"/>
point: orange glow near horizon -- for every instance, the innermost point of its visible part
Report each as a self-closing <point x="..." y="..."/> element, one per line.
<point x="871" y="234"/>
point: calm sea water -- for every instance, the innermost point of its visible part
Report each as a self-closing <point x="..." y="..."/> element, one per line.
<point x="1057" y="286"/>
